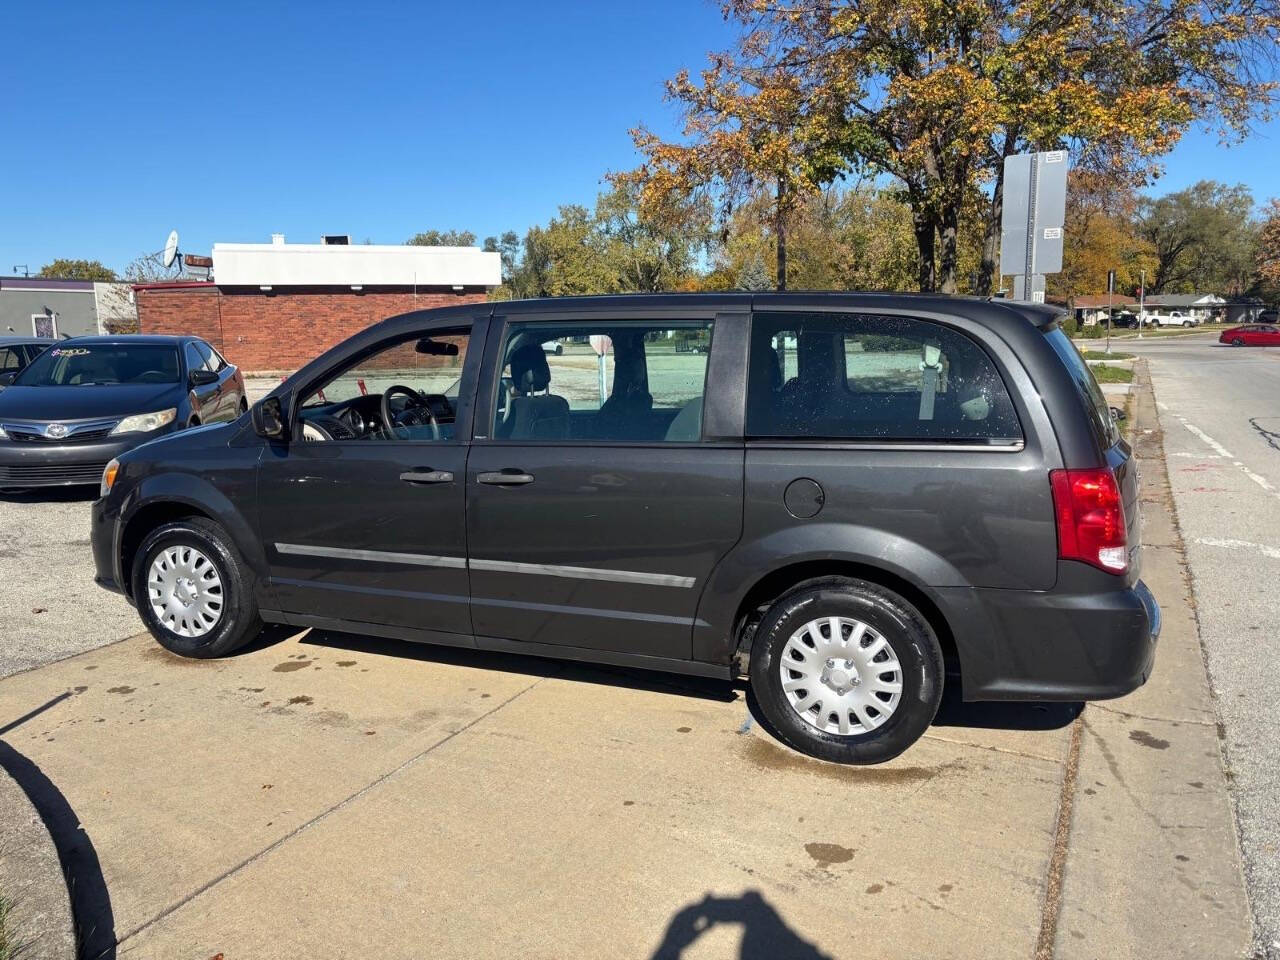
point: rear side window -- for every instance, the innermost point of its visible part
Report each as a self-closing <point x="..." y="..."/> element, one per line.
<point x="866" y="377"/>
<point x="1087" y="389"/>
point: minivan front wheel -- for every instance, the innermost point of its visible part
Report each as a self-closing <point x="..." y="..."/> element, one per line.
<point x="194" y="592"/>
<point x="846" y="670"/>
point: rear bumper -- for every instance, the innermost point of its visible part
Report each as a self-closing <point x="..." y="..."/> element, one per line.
<point x="1066" y="644"/>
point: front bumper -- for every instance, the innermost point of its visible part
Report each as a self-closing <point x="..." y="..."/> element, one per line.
<point x="103" y="531"/>
<point x="46" y="464"/>
<point x="1076" y="642"/>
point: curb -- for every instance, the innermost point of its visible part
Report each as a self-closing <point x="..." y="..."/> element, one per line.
<point x="31" y="880"/>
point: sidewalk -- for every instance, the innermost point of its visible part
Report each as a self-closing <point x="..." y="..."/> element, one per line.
<point x="343" y="797"/>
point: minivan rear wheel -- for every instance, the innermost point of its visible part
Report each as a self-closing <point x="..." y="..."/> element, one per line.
<point x="846" y="670"/>
<point x="194" y="592"/>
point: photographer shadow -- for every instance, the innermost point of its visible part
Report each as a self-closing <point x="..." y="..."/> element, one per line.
<point x="765" y="935"/>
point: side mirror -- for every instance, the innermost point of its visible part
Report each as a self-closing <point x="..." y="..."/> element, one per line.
<point x="6" y="378"/>
<point x="269" y="420"/>
<point x="202" y="378"/>
<point x="1117" y="414"/>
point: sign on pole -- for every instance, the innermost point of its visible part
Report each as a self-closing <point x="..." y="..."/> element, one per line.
<point x="1034" y="209"/>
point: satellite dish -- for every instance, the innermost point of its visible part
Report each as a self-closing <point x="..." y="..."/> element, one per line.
<point x="171" y="249"/>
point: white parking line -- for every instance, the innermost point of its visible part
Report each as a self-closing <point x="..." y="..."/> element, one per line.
<point x="1256" y="478"/>
<point x="1222" y="452"/>
<point x="1272" y="553"/>
<point x="1213" y="444"/>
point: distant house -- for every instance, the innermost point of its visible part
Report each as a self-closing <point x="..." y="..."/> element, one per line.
<point x="1205" y="307"/>
<point x="42" y="307"/>
<point x="1092" y="308"/>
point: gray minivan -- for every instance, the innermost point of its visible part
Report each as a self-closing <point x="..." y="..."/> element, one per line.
<point x="853" y="499"/>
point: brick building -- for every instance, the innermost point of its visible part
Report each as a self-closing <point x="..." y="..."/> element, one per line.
<point x="272" y="307"/>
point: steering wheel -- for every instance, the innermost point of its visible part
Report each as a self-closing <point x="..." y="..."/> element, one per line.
<point x="417" y="411"/>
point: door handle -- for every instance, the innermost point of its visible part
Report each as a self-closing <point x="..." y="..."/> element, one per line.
<point x="509" y="477"/>
<point x="427" y="476"/>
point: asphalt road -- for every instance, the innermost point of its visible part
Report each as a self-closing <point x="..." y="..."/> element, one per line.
<point x="47" y="593"/>
<point x="1219" y="409"/>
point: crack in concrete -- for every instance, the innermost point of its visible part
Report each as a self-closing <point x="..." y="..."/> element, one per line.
<point x="1051" y="905"/>
<point x="980" y="746"/>
<point x="1145" y="716"/>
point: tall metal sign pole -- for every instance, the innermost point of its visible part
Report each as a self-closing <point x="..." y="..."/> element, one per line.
<point x="1034" y="208"/>
<point x="1142" y="302"/>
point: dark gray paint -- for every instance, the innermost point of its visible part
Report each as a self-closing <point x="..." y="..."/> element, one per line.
<point x="969" y="533"/>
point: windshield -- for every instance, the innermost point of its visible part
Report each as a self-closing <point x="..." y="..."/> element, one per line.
<point x="101" y="364"/>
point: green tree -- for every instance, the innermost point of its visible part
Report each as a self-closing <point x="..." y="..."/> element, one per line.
<point x="62" y="269"/>
<point x="1203" y="238"/>
<point x="443" y="238"/>
<point x="507" y="247"/>
<point x="648" y="254"/>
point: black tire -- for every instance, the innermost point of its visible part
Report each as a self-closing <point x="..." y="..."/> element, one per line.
<point x="1237" y="342"/>
<point x="885" y="612"/>
<point x="1186" y="324"/>
<point x="239" y="621"/>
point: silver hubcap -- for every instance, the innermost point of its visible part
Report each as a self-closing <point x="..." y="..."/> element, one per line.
<point x="185" y="591"/>
<point x="841" y="676"/>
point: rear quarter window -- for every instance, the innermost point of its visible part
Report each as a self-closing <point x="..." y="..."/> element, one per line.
<point x="850" y="376"/>
<point x="1090" y="395"/>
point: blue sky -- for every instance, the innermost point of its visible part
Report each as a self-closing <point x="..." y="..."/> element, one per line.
<point x="234" y="120"/>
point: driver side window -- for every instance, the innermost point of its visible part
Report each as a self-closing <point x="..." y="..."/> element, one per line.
<point x="406" y="389"/>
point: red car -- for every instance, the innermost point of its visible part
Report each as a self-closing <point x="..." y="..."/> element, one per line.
<point x="1252" y="335"/>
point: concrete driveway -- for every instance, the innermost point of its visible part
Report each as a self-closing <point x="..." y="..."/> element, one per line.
<point x="331" y="796"/>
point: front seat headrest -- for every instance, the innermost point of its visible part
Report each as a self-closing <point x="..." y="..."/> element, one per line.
<point x="529" y="370"/>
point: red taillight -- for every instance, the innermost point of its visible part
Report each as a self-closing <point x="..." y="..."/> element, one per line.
<point x="1090" y="518"/>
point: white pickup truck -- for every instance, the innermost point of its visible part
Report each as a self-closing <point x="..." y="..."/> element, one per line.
<point x="1174" y="318"/>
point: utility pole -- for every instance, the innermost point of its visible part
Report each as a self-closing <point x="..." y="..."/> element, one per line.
<point x="1142" y="301"/>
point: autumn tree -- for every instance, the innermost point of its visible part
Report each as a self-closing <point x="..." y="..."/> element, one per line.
<point x="1268" y="258"/>
<point x="1100" y="236"/>
<point x="63" y="269"/>
<point x="1202" y="238"/>
<point x="752" y="134"/>
<point x="937" y="93"/>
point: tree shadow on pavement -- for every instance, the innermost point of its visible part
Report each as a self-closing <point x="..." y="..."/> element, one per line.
<point x="765" y="935"/>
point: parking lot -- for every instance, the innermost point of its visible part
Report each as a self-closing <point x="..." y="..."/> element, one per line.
<point x="325" y="795"/>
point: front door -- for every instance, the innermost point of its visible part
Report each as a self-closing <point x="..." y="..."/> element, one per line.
<point x="596" y="510"/>
<point x="362" y="513"/>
